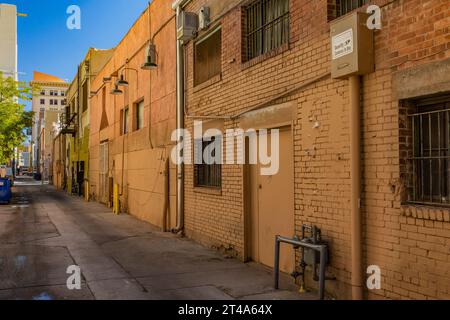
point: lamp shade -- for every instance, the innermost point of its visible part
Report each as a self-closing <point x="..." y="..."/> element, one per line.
<point x="122" y="82"/>
<point x="116" y="91"/>
<point x="150" y="61"/>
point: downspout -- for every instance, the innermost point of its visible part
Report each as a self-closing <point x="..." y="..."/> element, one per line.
<point x="180" y="125"/>
<point x="166" y="174"/>
<point x="355" y="176"/>
<point x="150" y="125"/>
<point x="178" y="5"/>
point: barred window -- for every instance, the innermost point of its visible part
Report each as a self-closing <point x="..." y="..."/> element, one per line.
<point x="345" y="6"/>
<point x="267" y="26"/>
<point x="431" y="153"/>
<point x="207" y="172"/>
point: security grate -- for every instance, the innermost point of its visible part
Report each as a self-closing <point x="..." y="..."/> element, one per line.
<point x="346" y="6"/>
<point x="431" y="155"/>
<point x="267" y="25"/>
<point x="207" y="175"/>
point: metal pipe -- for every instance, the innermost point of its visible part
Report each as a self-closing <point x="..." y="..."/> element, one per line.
<point x="355" y="176"/>
<point x="166" y="194"/>
<point x="322" y="249"/>
<point x="150" y="119"/>
<point x="277" y="263"/>
<point x="180" y="124"/>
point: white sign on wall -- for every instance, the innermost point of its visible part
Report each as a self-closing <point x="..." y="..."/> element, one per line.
<point x="342" y="44"/>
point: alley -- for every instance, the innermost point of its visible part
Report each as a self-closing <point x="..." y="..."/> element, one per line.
<point x="43" y="232"/>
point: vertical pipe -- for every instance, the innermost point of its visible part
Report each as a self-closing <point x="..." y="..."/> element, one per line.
<point x="322" y="273"/>
<point x="166" y="195"/>
<point x="150" y="103"/>
<point x="277" y="263"/>
<point x="180" y="125"/>
<point x="355" y="176"/>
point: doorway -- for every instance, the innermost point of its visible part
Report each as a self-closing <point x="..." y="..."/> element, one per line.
<point x="271" y="209"/>
<point x="104" y="173"/>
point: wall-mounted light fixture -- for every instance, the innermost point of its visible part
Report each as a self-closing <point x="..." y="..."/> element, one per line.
<point x="116" y="91"/>
<point x="121" y="82"/>
<point x="150" y="62"/>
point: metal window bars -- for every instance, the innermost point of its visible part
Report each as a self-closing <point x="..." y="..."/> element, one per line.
<point x="346" y="6"/>
<point x="431" y="157"/>
<point x="267" y="25"/>
<point x="207" y="175"/>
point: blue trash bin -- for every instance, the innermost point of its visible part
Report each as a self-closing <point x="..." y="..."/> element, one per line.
<point x="5" y="190"/>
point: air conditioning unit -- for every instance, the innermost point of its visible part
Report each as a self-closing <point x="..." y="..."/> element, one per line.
<point x="187" y="26"/>
<point x="204" y="18"/>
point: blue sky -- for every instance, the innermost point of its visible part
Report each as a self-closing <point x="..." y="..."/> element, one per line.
<point x="47" y="45"/>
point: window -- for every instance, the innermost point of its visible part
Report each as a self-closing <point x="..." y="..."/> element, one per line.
<point x="52" y="93"/>
<point x="63" y="102"/>
<point x="43" y="93"/>
<point x="124" y="119"/>
<point x="51" y="102"/>
<point x="67" y="120"/>
<point x="42" y="101"/>
<point x="85" y="96"/>
<point x="62" y="94"/>
<point x="208" y="57"/>
<point x="209" y="173"/>
<point x="430" y="161"/>
<point x="140" y="115"/>
<point x="345" y="6"/>
<point x="267" y="26"/>
<point x="104" y="119"/>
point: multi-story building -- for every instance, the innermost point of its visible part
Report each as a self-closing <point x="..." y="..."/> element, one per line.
<point x="132" y="118"/>
<point x="24" y="157"/>
<point x="8" y="39"/>
<point x="364" y="158"/>
<point x="49" y="102"/>
<point x="72" y="150"/>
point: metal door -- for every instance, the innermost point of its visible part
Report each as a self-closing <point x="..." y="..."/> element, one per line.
<point x="272" y="207"/>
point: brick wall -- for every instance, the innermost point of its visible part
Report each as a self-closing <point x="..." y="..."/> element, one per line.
<point x="410" y="244"/>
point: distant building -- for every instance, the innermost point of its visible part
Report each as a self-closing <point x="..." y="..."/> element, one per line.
<point x="48" y="105"/>
<point x="71" y="145"/>
<point x="24" y="159"/>
<point x="8" y="40"/>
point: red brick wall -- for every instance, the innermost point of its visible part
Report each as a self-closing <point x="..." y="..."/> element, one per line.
<point x="409" y="244"/>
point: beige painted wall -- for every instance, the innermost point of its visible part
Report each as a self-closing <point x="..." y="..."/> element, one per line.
<point x="135" y="163"/>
